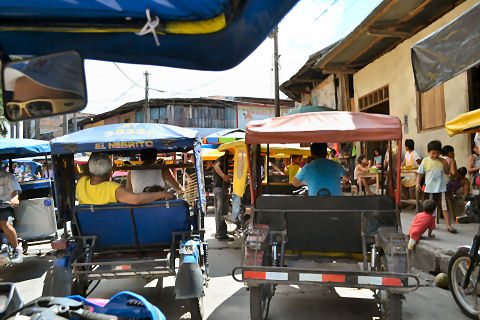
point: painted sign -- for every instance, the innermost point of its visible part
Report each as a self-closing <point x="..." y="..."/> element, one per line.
<point x="124" y="145"/>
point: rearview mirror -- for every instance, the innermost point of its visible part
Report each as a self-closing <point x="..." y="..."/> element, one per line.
<point x="44" y="86"/>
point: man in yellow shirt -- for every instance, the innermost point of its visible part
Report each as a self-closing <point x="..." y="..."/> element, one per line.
<point x="97" y="189"/>
<point x="294" y="167"/>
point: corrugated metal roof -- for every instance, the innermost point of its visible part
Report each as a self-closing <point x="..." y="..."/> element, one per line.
<point x="388" y="25"/>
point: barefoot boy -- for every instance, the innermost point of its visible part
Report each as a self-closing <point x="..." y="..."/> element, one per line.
<point x="422" y="221"/>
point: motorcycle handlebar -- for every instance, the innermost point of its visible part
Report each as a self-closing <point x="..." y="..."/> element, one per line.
<point x="89" y="315"/>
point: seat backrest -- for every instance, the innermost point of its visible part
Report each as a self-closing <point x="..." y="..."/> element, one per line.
<point x="122" y="226"/>
<point x="335" y="231"/>
<point x="279" y="188"/>
<point x="156" y="224"/>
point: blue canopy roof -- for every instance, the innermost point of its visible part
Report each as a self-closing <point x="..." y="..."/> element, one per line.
<point x="20" y="148"/>
<point x="126" y="136"/>
<point x="199" y="34"/>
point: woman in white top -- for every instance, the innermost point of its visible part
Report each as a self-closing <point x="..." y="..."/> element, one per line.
<point x="412" y="158"/>
<point x="138" y="180"/>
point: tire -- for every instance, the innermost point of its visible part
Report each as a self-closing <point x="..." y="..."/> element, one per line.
<point x="196" y="308"/>
<point x="456" y="276"/>
<point x="390" y="304"/>
<point x="159" y="286"/>
<point x="79" y="288"/>
<point x="260" y="298"/>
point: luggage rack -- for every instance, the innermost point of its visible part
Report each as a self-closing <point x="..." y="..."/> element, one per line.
<point x="143" y="266"/>
<point x="124" y="269"/>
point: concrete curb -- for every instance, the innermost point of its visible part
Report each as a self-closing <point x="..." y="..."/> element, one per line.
<point x="429" y="258"/>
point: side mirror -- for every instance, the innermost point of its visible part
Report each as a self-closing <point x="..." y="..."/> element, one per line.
<point x="44" y="86"/>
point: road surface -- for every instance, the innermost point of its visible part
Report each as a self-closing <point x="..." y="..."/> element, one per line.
<point x="227" y="299"/>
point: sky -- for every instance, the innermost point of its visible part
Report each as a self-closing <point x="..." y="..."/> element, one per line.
<point x="310" y="26"/>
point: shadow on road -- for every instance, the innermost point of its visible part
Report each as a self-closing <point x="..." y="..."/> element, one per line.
<point x="291" y="302"/>
<point x="32" y="267"/>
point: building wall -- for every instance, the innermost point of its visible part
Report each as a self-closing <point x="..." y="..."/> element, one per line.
<point x="323" y="94"/>
<point x="179" y="115"/>
<point x="395" y="70"/>
<point x="247" y="112"/>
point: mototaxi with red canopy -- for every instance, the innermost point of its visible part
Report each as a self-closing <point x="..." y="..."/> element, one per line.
<point x="340" y="241"/>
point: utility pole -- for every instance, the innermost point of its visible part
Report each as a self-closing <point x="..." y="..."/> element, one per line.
<point x="276" y="58"/>
<point x="74" y="122"/>
<point x="145" y="106"/>
<point x="37" y="128"/>
<point x="17" y="129"/>
<point x="65" y="124"/>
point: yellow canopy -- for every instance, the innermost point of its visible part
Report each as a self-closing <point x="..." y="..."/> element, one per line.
<point x="283" y="150"/>
<point x="211" y="154"/>
<point x="465" y="123"/>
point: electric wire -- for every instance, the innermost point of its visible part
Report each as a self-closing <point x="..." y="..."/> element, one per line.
<point x="134" y="82"/>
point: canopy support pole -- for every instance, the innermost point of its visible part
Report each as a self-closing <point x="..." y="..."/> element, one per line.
<point x="266" y="169"/>
<point x="252" y="194"/>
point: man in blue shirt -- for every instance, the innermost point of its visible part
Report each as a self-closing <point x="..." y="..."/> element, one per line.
<point x="321" y="173"/>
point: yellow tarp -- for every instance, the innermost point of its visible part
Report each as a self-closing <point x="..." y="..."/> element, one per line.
<point x="465" y="123"/>
<point x="240" y="170"/>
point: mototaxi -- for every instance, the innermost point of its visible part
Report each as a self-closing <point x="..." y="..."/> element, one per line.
<point x="115" y="241"/>
<point x="35" y="217"/>
<point x="336" y="241"/>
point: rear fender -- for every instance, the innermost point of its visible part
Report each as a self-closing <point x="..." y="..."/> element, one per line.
<point x="58" y="280"/>
<point x="464" y="249"/>
<point x="189" y="281"/>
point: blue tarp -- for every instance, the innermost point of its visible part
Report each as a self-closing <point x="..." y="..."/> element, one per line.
<point x="179" y="10"/>
<point x="135" y="136"/>
<point x="126" y="136"/>
<point x="20" y="148"/>
<point x="247" y="24"/>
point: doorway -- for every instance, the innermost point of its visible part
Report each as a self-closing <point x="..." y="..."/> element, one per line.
<point x="376" y="101"/>
<point x="473" y="81"/>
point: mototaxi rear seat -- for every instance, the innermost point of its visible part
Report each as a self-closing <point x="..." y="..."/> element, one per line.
<point x="125" y="228"/>
<point x="337" y="229"/>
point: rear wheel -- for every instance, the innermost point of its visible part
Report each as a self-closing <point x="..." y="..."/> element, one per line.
<point x="390" y="303"/>
<point x="195" y="306"/>
<point x="159" y="286"/>
<point x="79" y="287"/>
<point x="466" y="299"/>
<point x="260" y="298"/>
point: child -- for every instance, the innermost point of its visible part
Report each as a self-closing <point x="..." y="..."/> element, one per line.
<point x="377" y="158"/>
<point x="435" y="170"/>
<point x="422" y="221"/>
<point x="455" y="179"/>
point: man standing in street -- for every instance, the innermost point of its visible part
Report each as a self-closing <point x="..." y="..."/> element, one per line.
<point x="221" y="183"/>
<point x="10" y="191"/>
